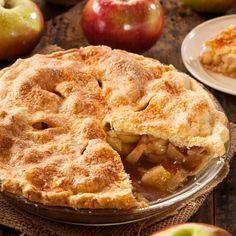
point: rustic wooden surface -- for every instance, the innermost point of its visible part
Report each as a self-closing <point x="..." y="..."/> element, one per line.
<point x="63" y="28"/>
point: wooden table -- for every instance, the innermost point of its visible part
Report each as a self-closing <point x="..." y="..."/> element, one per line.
<point x="63" y="28"/>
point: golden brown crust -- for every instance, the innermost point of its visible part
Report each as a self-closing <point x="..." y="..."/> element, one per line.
<point x="227" y="38"/>
<point x="220" y="53"/>
<point x="55" y="109"/>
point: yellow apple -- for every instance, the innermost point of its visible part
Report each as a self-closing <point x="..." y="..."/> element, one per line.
<point x="21" y="24"/>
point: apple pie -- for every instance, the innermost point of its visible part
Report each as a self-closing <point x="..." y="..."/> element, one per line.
<point x="102" y="128"/>
<point x="220" y="53"/>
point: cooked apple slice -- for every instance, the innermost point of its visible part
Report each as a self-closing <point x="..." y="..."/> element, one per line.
<point x="157" y="177"/>
<point x="160" y="178"/>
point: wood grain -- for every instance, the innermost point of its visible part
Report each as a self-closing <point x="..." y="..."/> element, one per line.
<point x="206" y="213"/>
<point x="63" y="28"/>
<point x="225" y="201"/>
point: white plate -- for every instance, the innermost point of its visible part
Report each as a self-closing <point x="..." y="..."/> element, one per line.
<point x="192" y="47"/>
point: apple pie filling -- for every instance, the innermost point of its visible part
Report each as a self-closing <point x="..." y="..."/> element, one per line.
<point x="155" y="165"/>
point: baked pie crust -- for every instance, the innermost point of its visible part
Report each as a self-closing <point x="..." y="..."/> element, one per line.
<point x="220" y="53"/>
<point x="73" y="123"/>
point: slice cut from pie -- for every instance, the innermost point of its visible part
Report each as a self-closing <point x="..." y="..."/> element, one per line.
<point x="101" y="128"/>
<point x="220" y="53"/>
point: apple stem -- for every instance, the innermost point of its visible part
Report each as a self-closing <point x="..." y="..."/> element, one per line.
<point x="2" y="3"/>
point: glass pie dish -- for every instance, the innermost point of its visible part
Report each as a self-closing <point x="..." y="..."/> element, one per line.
<point x="160" y="208"/>
<point x="85" y="148"/>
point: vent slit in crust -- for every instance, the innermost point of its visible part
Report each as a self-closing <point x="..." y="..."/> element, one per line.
<point x="83" y="149"/>
<point x="58" y="94"/>
<point x="143" y="106"/>
<point x="100" y="83"/>
<point x="41" y="126"/>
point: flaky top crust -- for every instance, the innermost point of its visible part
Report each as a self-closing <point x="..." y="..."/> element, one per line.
<point x="55" y="109"/>
<point x="226" y="38"/>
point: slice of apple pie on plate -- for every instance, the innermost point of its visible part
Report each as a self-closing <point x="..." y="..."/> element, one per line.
<point x="102" y="128"/>
<point x="219" y="54"/>
<point x="208" y="52"/>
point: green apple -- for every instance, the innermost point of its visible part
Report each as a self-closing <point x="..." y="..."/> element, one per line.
<point x="21" y="25"/>
<point x="209" y="6"/>
<point x="64" y="2"/>
<point x="192" y="229"/>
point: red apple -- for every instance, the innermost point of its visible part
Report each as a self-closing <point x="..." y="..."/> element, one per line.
<point x="21" y="25"/>
<point x="210" y="6"/>
<point x="192" y="229"/>
<point x="132" y="25"/>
